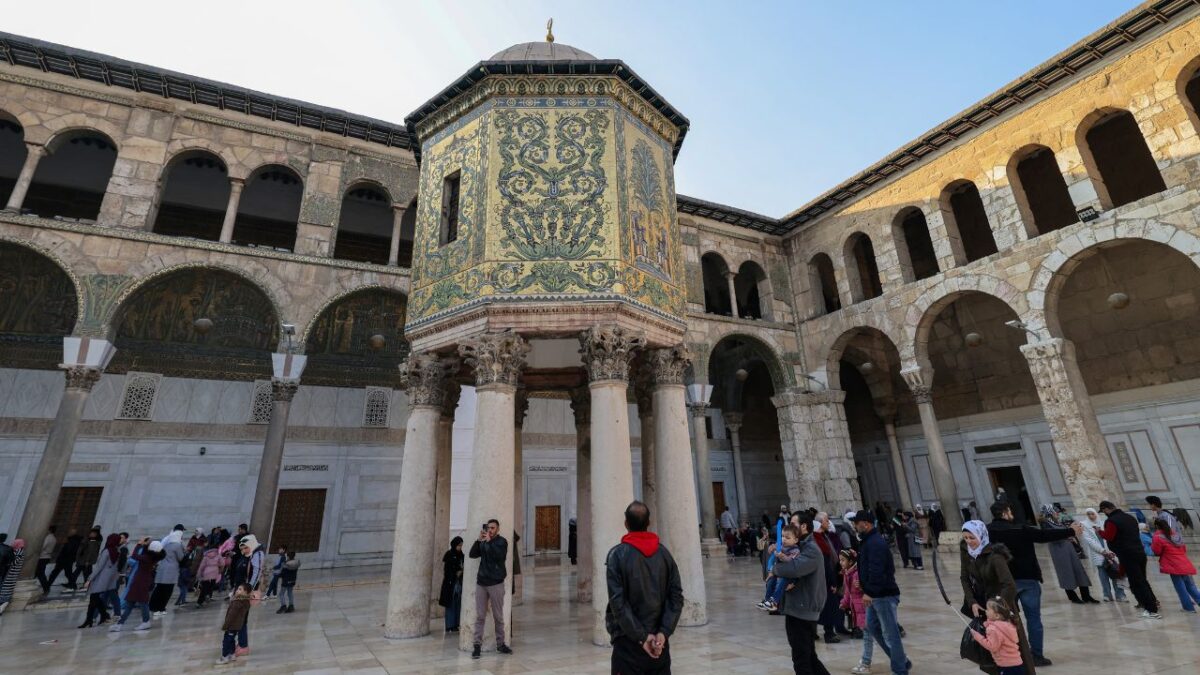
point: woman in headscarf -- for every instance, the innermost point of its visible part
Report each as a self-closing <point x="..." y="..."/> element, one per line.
<point x="9" y="583"/>
<point x="102" y="586"/>
<point x="1065" y="556"/>
<point x="985" y="575"/>
<point x="1098" y="554"/>
<point x="450" y="596"/>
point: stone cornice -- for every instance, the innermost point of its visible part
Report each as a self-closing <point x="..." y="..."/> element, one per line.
<point x="200" y="433"/>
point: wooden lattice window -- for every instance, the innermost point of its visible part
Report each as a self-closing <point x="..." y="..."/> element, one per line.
<point x="137" y="401"/>
<point x="299" y="515"/>
<point x="375" y="410"/>
<point x="76" y="510"/>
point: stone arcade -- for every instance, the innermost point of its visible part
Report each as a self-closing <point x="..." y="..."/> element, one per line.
<point x="274" y="312"/>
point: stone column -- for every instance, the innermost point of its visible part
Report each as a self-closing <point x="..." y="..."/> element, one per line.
<point x="733" y="422"/>
<point x="52" y="469"/>
<point x="889" y="427"/>
<point x="711" y="542"/>
<point x="1082" y="452"/>
<point x="394" y="247"/>
<point x="818" y="460"/>
<point x="676" y="485"/>
<point x="645" y="405"/>
<point x="34" y="154"/>
<point x="607" y="352"/>
<point x="733" y="302"/>
<point x="412" y="566"/>
<point x="262" y="515"/>
<point x="920" y="381"/>
<point x="231" y="209"/>
<point x="441" y="498"/>
<point x="581" y="405"/>
<point x="520" y="408"/>
<point x="497" y="360"/>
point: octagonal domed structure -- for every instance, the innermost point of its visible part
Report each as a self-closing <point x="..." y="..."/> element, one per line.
<point x="542" y="51"/>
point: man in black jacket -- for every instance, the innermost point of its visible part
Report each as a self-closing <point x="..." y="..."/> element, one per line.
<point x="645" y="598"/>
<point x="1026" y="572"/>
<point x="1121" y="533"/>
<point x="65" y="562"/>
<point x="881" y="595"/>
<point x="491" y="549"/>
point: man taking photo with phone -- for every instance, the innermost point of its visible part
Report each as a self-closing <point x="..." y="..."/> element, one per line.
<point x="491" y="549"/>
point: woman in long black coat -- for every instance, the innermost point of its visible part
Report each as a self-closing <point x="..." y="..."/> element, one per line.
<point x="450" y="596"/>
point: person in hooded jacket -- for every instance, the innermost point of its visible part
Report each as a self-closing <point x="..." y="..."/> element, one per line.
<point x="102" y="585"/>
<point x="209" y="574"/>
<point x="985" y="574"/>
<point x="89" y="553"/>
<point x="645" y="597"/>
<point x="65" y="562"/>
<point x="450" y="595"/>
<point x="8" y="583"/>
<point x="166" y="575"/>
<point x="147" y="554"/>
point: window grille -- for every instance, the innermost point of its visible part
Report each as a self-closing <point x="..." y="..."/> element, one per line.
<point x="137" y="401"/>
<point x="375" y="411"/>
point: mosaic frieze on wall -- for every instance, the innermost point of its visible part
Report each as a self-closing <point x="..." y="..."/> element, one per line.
<point x="359" y="339"/>
<point x="166" y="310"/>
<point x="36" y="296"/>
<point x="578" y="201"/>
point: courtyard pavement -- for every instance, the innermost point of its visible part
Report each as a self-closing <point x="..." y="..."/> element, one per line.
<point x="337" y="629"/>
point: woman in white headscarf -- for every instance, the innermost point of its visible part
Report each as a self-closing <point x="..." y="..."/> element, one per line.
<point x="984" y="575"/>
<point x="1098" y="554"/>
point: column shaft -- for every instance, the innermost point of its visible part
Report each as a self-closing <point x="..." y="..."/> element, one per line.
<point x="262" y="514"/>
<point x="677" y="494"/>
<point x="583" y="519"/>
<point x="939" y="466"/>
<point x="16" y="199"/>
<point x="708" y="509"/>
<point x="518" y="584"/>
<point x="733" y="300"/>
<point x="649" y="473"/>
<point x="412" y="565"/>
<point x="394" y="246"/>
<point x="739" y="477"/>
<point x="56" y="457"/>
<point x="441" y="508"/>
<point x="905" y="497"/>
<point x="612" y="483"/>
<point x="231" y="209"/>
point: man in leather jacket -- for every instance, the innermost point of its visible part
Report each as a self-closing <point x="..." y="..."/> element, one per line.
<point x="491" y="549"/>
<point x="645" y="598"/>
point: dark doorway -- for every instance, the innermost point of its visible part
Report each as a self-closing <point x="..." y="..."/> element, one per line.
<point x="719" y="497"/>
<point x="76" y="510"/>
<point x="1012" y="481"/>
<point x="298" y="518"/>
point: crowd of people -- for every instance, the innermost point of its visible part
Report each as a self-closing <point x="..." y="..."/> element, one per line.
<point x="121" y="575"/>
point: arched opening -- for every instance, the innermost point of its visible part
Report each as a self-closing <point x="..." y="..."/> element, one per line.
<point x="823" y="284"/>
<point x="747" y="284"/>
<point x="745" y="375"/>
<point x="1117" y="158"/>
<point x="865" y="364"/>
<point x="861" y="268"/>
<point x="269" y="209"/>
<point x="914" y="246"/>
<point x="197" y="322"/>
<point x="1189" y="90"/>
<point x="1040" y="191"/>
<point x="71" y="179"/>
<point x="364" y="231"/>
<point x="716" y="284"/>
<point x="38" y="306"/>
<point x="12" y="155"/>
<point x="408" y="228"/>
<point x="967" y="222"/>
<point x="194" y="196"/>
<point x="358" y="340"/>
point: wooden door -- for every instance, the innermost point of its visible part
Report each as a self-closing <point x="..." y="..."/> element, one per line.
<point x="299" y="515"/>
<point x="719" y="498"/>
<point x="76" y="510"/>
<point x="547" y="529"/>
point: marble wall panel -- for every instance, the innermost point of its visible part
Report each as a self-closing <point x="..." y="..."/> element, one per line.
<point x="172" y="399"/>
<point x="105" y="398"/>
<point x="233" y="404"/>
<point x="36" y="393"/>
<point x="348" y="411"/>
<point x="205" y="400"/>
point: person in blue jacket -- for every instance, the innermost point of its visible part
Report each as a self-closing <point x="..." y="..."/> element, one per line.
<point x="881" y="595"/>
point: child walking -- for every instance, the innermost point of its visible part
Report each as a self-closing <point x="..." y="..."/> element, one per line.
<point x="1001" y="638"/>
<point x="775" y="585"/>
<point x="235" y="621"/>
<point x="211" y="566"/>
<point x="852" y="604"/>
<point x="1173" y="561"/>
<point x="287" y="575"/>
<point x="277" y="572"/>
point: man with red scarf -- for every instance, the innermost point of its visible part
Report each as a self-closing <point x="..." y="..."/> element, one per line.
<point x="645" y="598"/>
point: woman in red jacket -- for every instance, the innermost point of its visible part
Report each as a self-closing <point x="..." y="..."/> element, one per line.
<point x="1173" y="560"/>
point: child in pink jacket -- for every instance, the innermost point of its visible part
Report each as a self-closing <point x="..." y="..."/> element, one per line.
<point x="209" y="573"/>
<point x="1173" y="561"/>
<point x="1001" y="638"/>
<point x="852" y="604"/>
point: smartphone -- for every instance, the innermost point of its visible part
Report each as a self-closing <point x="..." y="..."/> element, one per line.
<point x="484" y="528"/>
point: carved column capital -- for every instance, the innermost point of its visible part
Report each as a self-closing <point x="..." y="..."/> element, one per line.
<point x="236" y="184"/>
<point x="284" y="390"/>
<point x="733" y="421"/>
<point x="922" y="393"/>
<point x="581" y="405"/>
<point x="608" y="351"/>
<point x="1054" y="348"/>
<point x="82" y="378"/>
<point x="35" y="149"/>
<point x="497" y="358"/>
<point x="425" y="376"/>
<point x="698" y="409"/>
<point x="670" y="364"/>
<point x="920" y="381"/>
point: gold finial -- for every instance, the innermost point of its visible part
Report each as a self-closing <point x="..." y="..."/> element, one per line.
<point x="550" y="30"/>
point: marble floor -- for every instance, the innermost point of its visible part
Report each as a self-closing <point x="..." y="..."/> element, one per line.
<point x="336" y="629"/>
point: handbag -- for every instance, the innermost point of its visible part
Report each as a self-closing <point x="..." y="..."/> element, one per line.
<point x="1113" y="568"/>
<point x="971" y="650"/>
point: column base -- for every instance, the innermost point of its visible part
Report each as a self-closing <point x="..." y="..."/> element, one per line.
<point x="712" y="548"/>
<point x="26" y="592"/>
<point x="948" y="542"/>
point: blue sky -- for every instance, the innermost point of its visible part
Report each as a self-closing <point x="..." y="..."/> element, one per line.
<point x="786" y="100"/>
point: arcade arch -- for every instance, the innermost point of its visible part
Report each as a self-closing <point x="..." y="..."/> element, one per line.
<point x="71" y="179"/>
